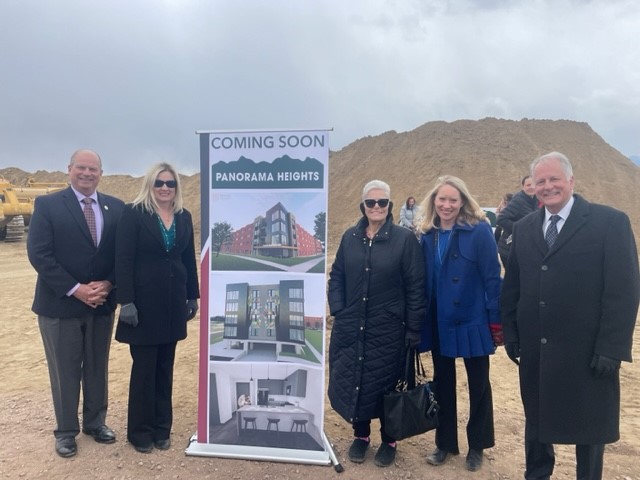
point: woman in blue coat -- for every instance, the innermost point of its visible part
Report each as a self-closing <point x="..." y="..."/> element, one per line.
<point x="463" y="283"/>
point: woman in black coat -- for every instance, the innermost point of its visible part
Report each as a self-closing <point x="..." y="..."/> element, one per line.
<point x="376" y="294"/>
<point x="157" y="285"/>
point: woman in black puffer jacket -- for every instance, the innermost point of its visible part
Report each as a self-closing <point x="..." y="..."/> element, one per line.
<point x="377" y="296"/>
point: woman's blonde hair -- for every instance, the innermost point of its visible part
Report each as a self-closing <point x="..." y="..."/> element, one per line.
<point x="470" y="212"/>
<point x="147" y="199"/>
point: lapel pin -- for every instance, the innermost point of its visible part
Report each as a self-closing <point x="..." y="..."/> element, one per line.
<point x="106" y="207"/>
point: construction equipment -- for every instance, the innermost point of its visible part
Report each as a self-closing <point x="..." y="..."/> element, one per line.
<point x="16" y="205"/>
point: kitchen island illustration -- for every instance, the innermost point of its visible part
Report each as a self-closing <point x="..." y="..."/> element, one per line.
<point x="266" y="405"/>
<point x="273" y="418"/>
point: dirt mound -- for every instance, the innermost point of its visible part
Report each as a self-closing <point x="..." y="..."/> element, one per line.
<point x="490" y="155"/>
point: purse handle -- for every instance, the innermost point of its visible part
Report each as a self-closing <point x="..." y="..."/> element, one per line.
<point x="418" y="371"/>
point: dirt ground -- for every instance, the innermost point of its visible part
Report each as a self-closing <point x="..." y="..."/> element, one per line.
<point x="27" y="420"/>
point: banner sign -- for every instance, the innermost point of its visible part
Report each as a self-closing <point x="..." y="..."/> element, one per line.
<point x="262" y="325"/>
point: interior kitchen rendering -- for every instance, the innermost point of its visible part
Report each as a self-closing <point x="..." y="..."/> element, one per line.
<point x="268" y="404"/>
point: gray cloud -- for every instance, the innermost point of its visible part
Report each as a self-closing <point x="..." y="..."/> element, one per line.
<point x="135" y="79"/>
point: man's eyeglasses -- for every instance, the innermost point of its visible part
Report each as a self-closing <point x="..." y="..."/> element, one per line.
<point x="370" y="203"/>
<point x="168" y="183"/>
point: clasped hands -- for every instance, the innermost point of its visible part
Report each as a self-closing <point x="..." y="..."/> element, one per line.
<point x="93" y="293"/>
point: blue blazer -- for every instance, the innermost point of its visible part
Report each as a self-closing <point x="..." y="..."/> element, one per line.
<point x="467" y="293"/>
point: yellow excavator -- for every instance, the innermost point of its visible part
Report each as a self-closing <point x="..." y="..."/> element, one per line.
<point x="16" y="205"/>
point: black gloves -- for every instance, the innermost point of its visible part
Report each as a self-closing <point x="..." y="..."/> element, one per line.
<point x="604" y="366"/>
<point x="513" y="352"/>
<point x="129" y="314"/>
<point x="192" y="308"/>
<point x="411" y="339"/>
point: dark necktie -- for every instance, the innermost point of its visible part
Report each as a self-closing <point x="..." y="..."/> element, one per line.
<point x="91" y="219"/>
<point x="552" y="230"/>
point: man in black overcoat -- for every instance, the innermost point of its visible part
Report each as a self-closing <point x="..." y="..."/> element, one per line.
<point x="569" y="304"/>
<point x="74" y="297"/>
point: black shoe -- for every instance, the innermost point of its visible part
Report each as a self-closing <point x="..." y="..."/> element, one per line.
<point x="358" y="450"/>
<point x="101" y="434"/>
<point x="162" y="444"/>
<point x="385" y="455"/>
<point x="143" y="448"/>
<point x="66" y="446"/>
<point x="474" y="460"/>
<point x="438" y="457"/>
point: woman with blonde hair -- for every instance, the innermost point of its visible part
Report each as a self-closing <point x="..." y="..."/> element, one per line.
<point x="462" y="274"/>
<point x="157" y="286"/>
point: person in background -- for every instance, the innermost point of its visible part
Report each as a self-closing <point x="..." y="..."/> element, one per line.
<point x="409" y="214"/>
<point x="71" y="244"/>
<point x="497" y="233"/>
<point x="158" y="288"/>
<point x="463" y="316"/>
<point x="569" y="304"/>
<point x="522" y="204"/>
<point x="376" y="295"/>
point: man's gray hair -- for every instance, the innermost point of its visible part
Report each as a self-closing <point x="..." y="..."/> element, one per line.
<point x="565" y="164"/>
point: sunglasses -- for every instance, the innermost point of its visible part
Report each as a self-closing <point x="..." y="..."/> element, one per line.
<point x="168" y="183"/>
<point x="370" y="203"/>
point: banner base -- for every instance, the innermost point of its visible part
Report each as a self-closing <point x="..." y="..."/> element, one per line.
<point x="267" y="454"/>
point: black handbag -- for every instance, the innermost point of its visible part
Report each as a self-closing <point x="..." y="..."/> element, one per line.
<point x="411" y="409"/>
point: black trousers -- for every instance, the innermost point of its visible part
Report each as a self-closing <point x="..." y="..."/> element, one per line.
<point x="363" y="429"/>
<point x="480" y="430"/>
<point x="540" y="458"/>
<point x="150" y="414"/>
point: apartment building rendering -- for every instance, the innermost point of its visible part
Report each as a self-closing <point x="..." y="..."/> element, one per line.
<point x="276" y="234"/>
<point x="266" y="315"/>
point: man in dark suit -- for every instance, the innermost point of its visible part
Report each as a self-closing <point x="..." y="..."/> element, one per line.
<point x="569" y="305"/>
<point x="71" y="244"/>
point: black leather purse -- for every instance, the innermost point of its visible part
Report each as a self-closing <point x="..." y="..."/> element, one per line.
<point x="411" y="408"/>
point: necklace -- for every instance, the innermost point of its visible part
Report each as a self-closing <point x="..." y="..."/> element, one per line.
<point x="168" y="234"/>
<point x="371" y="233"/>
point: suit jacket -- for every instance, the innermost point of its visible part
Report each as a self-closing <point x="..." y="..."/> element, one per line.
<point x="60" y="248"/>
<point x="565" y="304"/>
<point x="158" y="282"/>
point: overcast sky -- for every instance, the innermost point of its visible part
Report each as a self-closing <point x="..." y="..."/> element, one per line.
<point x="134" y="79"/>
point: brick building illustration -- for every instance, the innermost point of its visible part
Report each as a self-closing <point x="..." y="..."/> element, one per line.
<point x="276" y="234"/>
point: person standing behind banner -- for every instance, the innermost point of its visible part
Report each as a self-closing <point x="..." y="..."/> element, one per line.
<point x="497" y="232"/>
<point x="158" y="288"/>
<point x="376" y="295"/>
<point x="71" y="244"/>
<point x="569" y="303"/>
<point x="409" y="214"/>
<point x="522" y="204"/>
<point x="463" y="317"/>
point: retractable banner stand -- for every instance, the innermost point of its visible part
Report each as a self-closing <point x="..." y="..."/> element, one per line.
<point x="262" y="324"/>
